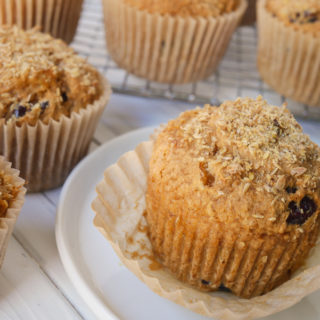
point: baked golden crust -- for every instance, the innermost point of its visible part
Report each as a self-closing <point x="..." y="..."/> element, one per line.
<point x="300" y="14"/>
<point x="239" y="187"/>
<point x="42" y="78"/>
<point x="8" y="192"/>
<point x="185" y="8"/>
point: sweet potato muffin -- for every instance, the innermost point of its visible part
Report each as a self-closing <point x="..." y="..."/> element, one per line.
<point x="233" y="196"/>
<point x="57" y="17"/>
<point x="9" y="189"/>
<point x="51" y="100"/>
<point x="170" y="41"/>
<point x="42" y="78"/>
<point x="289" y="48"/>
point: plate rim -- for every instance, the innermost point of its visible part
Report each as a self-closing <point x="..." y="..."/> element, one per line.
<point x="91" y="298"/>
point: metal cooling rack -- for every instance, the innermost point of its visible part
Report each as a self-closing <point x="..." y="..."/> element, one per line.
<point x="237" y="74"/>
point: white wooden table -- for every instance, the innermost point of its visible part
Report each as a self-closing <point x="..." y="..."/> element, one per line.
<point x="33" y="283"/>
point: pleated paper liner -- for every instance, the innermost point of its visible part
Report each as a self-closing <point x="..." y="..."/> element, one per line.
<point x="8" y="221"/>
<point x="46" y="153"/>
<point x="208" y="255"/>
<point x="288" y="59"/>
<point x="250" y="14"/>
<point x="168" y="49"/>
<point x="57" y="17"/>
<point x="120" y="208"/>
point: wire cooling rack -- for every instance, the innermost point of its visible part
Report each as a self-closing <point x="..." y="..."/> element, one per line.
<point x="237" y="74"/>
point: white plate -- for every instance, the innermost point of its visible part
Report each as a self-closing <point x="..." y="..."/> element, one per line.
<point x="105" y="284"/>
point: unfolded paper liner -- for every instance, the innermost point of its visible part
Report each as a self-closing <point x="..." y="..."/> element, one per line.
<point x="288" y="59"/>
<point x="57" y="17"/>
<point x="119" y="210"/>
<point x="250" y="14"/>
<point x="8" y="221"/>
<point x="46" y="153"/>
<point x="168" y="49"/>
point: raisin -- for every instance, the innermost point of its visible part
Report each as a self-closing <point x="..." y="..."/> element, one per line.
<point x="205" y="282"/>
<point x="291" y="189"/>
<point x="64" y="96"/>
<point x="300" y="214"/>
<point x="223" y="288"/>
<point x="310" y="17"/>
<point x="20" y="111"/>
<point x="307" y="206"/>
<point x="44" y="105"/>
<point x="313" y="19"/>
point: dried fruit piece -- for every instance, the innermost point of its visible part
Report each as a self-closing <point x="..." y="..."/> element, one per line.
<point x="44" y="105"/>
<point x="300" y="214"/>
<point x="223" y="288"/>
<point x="308" y="206"/>
<point x="291" y="189"/>
<point x="20" y="111"/>
<point x="64" y="96"/>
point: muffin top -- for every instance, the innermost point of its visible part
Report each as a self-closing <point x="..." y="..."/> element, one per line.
<point x="246" y="164"/>
<point x="301" y="14"/>
<point x="42" y="78"/>
<point x="8" y="192"/>
<point x="186" y="8"/>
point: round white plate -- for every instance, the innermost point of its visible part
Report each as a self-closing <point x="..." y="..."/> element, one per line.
<point x="110" y="290"/>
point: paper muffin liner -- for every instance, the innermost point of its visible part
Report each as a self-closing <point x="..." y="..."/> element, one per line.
<point x="168" y="49"/>
<point x="57" y="17"/>
<point x="288" y="59"/>
<point x="46" y="153"/>
<point x="120" y="208"/>
<point x="250" y="14"/>
<point x="209" y="256"/>
<point x="8" y="221"/>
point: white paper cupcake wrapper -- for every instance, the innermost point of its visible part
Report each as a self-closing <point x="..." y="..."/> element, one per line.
<point x="165" y="48"/>
<point x="8" y="221"/>
<point x="46" y="153"/>
<point x="57" y="17"/>
<point x="288" y="59"/>
<point x="119" y="210"/>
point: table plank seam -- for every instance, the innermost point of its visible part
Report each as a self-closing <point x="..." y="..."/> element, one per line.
<point x="46" y="274"/>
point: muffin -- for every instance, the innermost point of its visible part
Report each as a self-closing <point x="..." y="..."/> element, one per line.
<point x="170" y="41"/>
<point x="233" y="197"/>
<point x="11" y="200"/>
<point x="250" y="14"/>
<point x="289" y="48"/>
<point x="51" y="100"/>
<point x="57" y="17"/>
